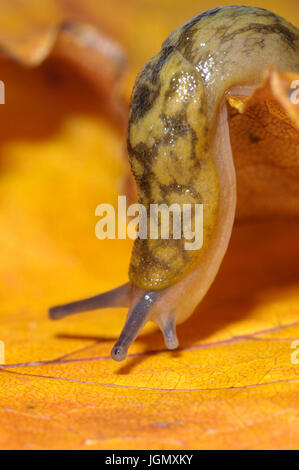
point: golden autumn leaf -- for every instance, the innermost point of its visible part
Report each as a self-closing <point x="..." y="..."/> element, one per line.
<point x="233" y="383"/>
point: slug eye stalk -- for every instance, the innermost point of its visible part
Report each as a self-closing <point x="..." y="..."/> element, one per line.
<point x="118" y="297"/>
<point x="136" y="319"/>
<point x="137" y="316"/>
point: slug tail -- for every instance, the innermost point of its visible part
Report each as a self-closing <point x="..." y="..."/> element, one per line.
<point x="118" y="297"/>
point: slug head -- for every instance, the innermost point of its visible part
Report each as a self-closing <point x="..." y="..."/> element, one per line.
<point x="141" y="309"/>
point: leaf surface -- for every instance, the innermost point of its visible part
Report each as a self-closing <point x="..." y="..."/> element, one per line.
<point x="232" y="383"/>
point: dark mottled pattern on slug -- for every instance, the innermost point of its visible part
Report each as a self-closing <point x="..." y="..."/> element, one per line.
<point x="233" y="46"/>
<point x="168" y="147"/>
<point x="173" y="107"/>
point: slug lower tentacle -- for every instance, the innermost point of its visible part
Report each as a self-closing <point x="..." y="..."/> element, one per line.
<point x="180" y="153"/>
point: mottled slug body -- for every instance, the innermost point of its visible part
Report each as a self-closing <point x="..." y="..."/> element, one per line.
<point x="180" y="153"/>
<point x="171" y="161"/>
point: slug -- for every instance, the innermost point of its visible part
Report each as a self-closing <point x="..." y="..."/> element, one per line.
<point x="180" y="152"/>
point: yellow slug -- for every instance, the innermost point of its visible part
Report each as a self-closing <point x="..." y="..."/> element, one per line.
<point x="180" y="153"/>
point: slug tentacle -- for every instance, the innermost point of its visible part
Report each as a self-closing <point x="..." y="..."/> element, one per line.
<point x="136" y="319"/>
<point x="168" y="328"/>
<point x="180" y="153"/>
<point x="118" y="297"/>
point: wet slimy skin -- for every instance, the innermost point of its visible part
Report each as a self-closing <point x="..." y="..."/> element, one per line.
<point x="180" y="153"/>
